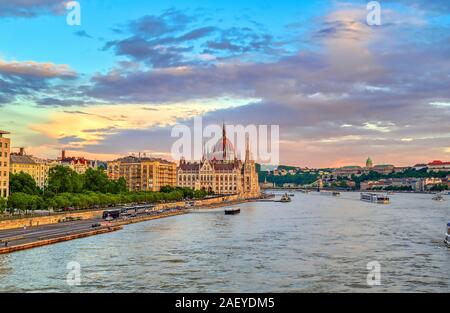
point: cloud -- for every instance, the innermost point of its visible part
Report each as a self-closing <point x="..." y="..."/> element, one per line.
<point x="30" y="8"/>
<point x="68" y="140"/>
<point x="35" y="69"/>
<point x="174" y="39"/>
<point x="83" y="33"/>
<point x="55" y="102"/>
<point x="28" y="77"/>
<point x="366" y="78"/>
<point x="139" y="49"/>
<point x="170" y="21"/>
<point x="435" y="6"/>
<point x="346" y="90"/>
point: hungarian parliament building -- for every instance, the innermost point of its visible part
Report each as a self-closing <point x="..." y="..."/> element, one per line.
<point x="221" y="172"/>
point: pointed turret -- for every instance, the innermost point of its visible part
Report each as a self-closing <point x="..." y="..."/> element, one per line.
<point x="224" y="141"/>
<point x="247" y="149"/>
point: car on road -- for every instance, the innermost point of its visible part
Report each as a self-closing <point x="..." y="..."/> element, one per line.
<point x="96" y="225"/>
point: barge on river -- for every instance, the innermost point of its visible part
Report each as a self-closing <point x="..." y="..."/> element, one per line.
<point x="375" y="198"/>
<point x="232" y="211"/>
<point x="330" y="193"/>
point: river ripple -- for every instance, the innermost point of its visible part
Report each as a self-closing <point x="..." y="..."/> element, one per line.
<point x="313" y="244"/>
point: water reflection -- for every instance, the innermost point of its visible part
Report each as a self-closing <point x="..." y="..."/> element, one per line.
<point x="313" y="244"/>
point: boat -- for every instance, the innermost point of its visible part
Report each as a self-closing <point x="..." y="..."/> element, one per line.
<point x="285" y="198"/>
<point x="232" y="211"/>
<point x="375" y="198"/>
<point x="330" y="193"/>
<point x="447" y="236"/>
<point x="291" y="195"/>
<point x="438" y="197"/>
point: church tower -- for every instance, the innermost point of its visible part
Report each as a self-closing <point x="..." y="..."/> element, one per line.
<point x="247" y="149"/>
<point x="224" y="142"/>
<point x="251" y="183"/>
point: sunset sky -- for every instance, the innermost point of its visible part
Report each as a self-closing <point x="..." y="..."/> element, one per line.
<point x="340" y="90"/>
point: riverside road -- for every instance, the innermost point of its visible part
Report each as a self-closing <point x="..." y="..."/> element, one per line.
<point x="19" y="236"/>
<point x="74" y="229"/>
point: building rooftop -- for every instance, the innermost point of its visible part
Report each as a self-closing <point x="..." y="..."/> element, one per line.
<point x="2" y="132"/>
<point x="439" y="162"/>
<point x="21" y="159"/>
<point x="133" y="159"/>
<point x="190" y="166"/>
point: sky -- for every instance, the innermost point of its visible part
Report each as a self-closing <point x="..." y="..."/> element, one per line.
<point x="339" y="89"/>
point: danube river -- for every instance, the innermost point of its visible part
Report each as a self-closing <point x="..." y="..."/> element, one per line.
<point x="316" y="243"/>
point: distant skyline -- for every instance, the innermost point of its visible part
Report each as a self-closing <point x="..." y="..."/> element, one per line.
<point x="340" y="90"/>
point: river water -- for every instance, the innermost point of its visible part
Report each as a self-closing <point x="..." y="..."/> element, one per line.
<point x="316" y="243"/>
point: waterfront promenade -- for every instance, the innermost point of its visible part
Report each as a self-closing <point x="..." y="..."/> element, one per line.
<point x="16" y="239"/>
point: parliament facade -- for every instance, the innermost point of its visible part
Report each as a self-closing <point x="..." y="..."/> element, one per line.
<point x="220" y="172"/>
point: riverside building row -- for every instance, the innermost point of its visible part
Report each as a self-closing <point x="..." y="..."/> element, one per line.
<point x="219" y="172"/>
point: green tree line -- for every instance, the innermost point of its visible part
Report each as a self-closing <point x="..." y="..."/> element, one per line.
<point x="409" y="173"/>
<point x="299" y="178"/>
<point x="66" y="188"/>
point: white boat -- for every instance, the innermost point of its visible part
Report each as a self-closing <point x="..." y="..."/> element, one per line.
<point x="438" y="197"/>
<point x="447" y="236"/>
<point x="375" y="198"/>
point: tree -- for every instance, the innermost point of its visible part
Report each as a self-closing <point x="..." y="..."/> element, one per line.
<point x="167" y="189"/>
<point x="439" y="187"/>
<point x="121" y="185"/>
<point x="3" y="205"/>
<point x="116" y="186"/>
<point x="23" y="182"/>
<point x="63" y="179"/>
<point x="23" y="201"/>
<point x="96" y="180"/>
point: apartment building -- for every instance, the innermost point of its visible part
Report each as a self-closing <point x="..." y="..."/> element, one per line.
<point x="142" y="173"/>
<point x="5" y="148"/>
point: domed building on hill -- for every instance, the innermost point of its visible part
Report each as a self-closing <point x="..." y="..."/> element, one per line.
<point x="221" y="172"/>
<point x="369" y="163"/>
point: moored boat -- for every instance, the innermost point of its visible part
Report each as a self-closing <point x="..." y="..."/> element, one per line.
<point x="285" y="198"/>
<point x="232" y="211"/>
<point x="447" y="236"/>
<point x="375" y="198"/>
<point x="330" y="193"/>
<point x="438" y="197"/>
